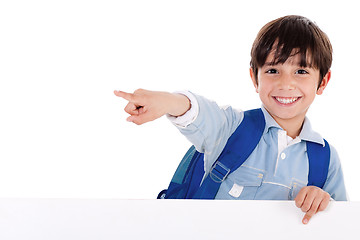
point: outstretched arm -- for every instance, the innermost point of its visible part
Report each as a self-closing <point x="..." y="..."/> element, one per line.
<point x="145" y="106"/>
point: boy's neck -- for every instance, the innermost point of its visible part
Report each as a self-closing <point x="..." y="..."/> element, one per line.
<point x="291" y="126"/>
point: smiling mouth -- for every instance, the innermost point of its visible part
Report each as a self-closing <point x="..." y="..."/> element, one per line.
<point x="286" y="100"/>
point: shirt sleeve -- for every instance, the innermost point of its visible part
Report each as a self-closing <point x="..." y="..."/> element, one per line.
<point x="207" y="126"/>
<point x="189" y="117"/>
<point x="334" y="184"/>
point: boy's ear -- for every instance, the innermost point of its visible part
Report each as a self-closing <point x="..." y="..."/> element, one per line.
<point x="253" y="78"/>
<point x="324" y="83"/>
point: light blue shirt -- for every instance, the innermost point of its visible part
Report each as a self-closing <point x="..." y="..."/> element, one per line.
<point x="278" y="167"/>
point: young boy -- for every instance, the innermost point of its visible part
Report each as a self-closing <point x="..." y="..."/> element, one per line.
<point x="290" y="64"/>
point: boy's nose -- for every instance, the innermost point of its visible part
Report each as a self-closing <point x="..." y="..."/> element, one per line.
<point x="286" y="82"/>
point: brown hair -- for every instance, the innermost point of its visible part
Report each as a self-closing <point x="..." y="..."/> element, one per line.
<point x="292" y="33"/>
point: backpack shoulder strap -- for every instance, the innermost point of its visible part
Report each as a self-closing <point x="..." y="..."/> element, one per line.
<point x="238" y="148"/>
<point x="319" y="160"/>
<point x="243" y="141"/>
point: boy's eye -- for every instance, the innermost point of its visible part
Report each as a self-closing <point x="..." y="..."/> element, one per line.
<point x="301" y="71"/>
<point x="272" y="71"/>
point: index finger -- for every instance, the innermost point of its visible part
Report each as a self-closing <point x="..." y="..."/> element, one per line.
<point x="124" y="95"/>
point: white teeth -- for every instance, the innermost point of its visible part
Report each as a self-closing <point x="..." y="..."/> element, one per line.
<point x="286" y="100"/>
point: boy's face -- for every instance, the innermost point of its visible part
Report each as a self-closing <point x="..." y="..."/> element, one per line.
<point x="287" y="90"/>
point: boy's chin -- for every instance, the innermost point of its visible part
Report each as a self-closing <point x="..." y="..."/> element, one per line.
<point x="285" y="115"/>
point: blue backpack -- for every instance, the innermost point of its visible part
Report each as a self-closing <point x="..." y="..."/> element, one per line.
<point x="186" y="182"/>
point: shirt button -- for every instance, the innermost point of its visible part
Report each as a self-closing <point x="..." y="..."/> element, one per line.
<point x="283" y="156"/>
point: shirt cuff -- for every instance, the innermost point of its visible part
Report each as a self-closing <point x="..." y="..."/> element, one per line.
<point x="189" y="117"/>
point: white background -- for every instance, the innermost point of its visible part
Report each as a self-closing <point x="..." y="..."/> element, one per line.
<point x="62" y="131"/>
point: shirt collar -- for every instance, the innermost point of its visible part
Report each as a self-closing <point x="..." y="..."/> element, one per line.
<point x="306" y="134"/>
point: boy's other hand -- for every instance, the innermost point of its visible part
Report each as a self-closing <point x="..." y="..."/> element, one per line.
<point x="145" y="106"/>
<point x="311" y="200"/>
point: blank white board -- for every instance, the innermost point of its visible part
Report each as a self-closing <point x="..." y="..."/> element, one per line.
<point x="92" y="219"/>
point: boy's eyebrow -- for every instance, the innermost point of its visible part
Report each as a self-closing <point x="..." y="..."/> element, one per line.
<point x="266" y="64"/>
